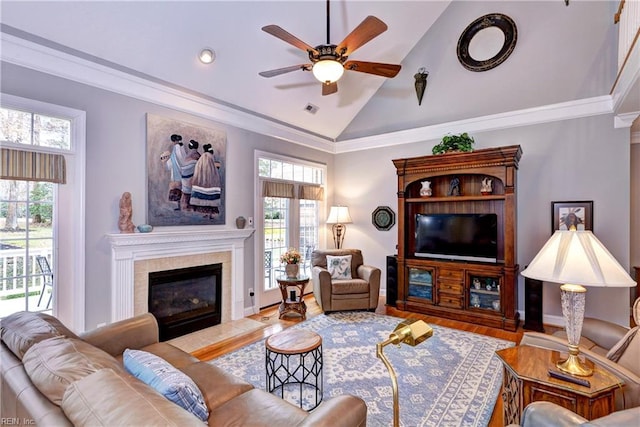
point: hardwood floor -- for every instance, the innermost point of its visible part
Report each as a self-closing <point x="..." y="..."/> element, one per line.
<point x="273" y="325"/>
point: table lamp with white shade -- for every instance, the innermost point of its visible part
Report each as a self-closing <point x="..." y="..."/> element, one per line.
<point x="338" y="216"/>
<point x="576" y="258"/>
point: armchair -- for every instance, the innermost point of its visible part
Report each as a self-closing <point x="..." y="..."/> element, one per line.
<point x="612" y="346"/>
<point x="360" y="292"/>
<point x="544" y="414"/>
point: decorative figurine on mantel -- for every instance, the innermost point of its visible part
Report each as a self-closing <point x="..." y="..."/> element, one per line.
<point x="425" y="191"/>
<point x="126" y="212"/>
<point x="454" y="187"/>
<point x="486" y="187"/>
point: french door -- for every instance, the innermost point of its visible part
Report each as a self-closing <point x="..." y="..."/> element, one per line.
<point x="287" y="219"/>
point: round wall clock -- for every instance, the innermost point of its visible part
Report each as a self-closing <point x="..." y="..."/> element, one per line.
<point x="487" y="42"/>
<point x="383" y="218"/>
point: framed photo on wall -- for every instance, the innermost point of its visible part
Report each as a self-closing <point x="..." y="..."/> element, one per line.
<point x="567" y="214"/>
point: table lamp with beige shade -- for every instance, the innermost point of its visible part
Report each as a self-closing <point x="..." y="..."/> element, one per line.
<point x="576" y="258"/>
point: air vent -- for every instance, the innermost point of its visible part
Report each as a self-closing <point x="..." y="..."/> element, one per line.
<point x="310" y="108"/>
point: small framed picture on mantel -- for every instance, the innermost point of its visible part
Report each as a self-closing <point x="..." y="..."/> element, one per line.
<point x="568" y="214"/>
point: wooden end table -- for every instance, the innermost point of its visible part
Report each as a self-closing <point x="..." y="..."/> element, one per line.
<point x="294" y="362"/>
<point x="293" y="306"/>
<point x="526" y="379"/>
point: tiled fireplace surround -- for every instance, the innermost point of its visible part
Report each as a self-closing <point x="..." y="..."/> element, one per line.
<point x="134" y="256"/>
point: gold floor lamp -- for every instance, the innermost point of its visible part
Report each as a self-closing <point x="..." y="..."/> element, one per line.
<point x="412" y="332"/>
<point x="576" y="259"/>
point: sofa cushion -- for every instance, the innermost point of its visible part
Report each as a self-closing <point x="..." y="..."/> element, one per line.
<point x="166" y="380"/>
<point x="55" y="363"/>
<point x="349" y="287"/>
<point x="216" y="385"/>
<point x="339" y="267"/>
<point x="258" y="408"/>
<point x="171" y="354"/>
<point x="106" y="398"/>
<point x="627" y="351"/>
<point x="21" y="330"/>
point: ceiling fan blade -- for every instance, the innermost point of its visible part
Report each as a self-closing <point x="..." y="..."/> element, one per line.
<point x="278" y="32"/>
<point x="328" y="89"/>
<point x="377" y="68"/>
<point x="368" y="29"/>
<point x="278" y="71"/>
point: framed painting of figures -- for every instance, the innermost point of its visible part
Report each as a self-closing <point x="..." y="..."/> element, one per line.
<point x="185" y="173"/>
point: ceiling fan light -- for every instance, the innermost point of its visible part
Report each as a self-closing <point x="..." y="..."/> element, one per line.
<point x="328" y="70"/>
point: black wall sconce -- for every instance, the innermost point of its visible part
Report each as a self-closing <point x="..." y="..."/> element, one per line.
<point x="421" y="83"/>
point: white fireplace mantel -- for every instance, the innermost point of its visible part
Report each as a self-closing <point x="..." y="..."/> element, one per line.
<point x="127" y="248"/>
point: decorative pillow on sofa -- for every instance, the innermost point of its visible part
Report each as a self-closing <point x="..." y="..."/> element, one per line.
<point x="339" y="266"/>
<point x="166" y="380"/>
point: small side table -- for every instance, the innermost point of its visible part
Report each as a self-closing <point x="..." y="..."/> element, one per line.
<point x="296" y="306"/>
<point x="294" y="362"/>
<point x="526" y="379"/>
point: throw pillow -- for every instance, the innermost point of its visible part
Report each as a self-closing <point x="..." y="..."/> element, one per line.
<point x="339" y="266"/>
<point x="166" y="380"/>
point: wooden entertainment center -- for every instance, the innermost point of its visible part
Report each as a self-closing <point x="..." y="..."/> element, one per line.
<point x="473" y="291"/>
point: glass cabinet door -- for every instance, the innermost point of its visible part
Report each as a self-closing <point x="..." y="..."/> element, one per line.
<point x="421" y="283"/>
<point x="484" y="292"/>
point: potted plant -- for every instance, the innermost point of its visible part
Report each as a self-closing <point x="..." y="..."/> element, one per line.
<point x="291" y="259"/>
<point x="454" y="143"/>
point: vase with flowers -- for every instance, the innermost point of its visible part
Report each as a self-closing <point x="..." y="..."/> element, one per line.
<point x="291" y="259"/>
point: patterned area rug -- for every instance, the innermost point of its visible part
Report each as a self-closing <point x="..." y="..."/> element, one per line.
<point x="452" y="379"/>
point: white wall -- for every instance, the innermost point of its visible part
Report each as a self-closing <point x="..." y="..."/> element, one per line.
<point x="116" y="162"/>
<point x="582" y="159"/>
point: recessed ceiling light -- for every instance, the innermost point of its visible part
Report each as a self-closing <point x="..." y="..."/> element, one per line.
<point x="207" y="56"/>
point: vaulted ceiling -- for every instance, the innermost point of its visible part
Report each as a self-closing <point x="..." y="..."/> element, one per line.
<point x="563" y="54"/>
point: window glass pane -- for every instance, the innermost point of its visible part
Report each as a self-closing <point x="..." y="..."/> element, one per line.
<point x="13" y="224"/>
<point x="263" y="167"/>
<point x="51" y="132"/>
<point x="297" y="173"/>
<point x="287" y="171"/>
<point x="308" y="174"/>
<point x="40" y="224"/>
<point x="308" y="231"/>
<point x="276" y="169"/>
<point x="15" y="126"/>
<point x="275" y="237"/>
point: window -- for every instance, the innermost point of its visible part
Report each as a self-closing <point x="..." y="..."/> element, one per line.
<point x="291" y="195"/>
<point x="41" y="209"/>
<point x="26" y="235"/>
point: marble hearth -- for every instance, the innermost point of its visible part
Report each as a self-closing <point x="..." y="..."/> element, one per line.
<point x="134" y="256"/>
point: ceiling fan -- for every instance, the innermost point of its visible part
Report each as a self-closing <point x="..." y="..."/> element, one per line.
<point x="328" y="61"/>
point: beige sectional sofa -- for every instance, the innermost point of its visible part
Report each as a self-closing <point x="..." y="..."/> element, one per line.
<point x="53" y="377"/>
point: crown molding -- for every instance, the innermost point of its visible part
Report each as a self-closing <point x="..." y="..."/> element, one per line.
<point x="625" y="120"/>
<point x="36" y="56"/>
<point x="529" y="116"/>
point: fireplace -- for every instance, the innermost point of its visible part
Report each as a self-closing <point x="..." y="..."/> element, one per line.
<point x="185" y="300"/>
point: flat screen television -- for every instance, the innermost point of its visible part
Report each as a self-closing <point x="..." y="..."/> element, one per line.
<point x="464" y="237"/>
